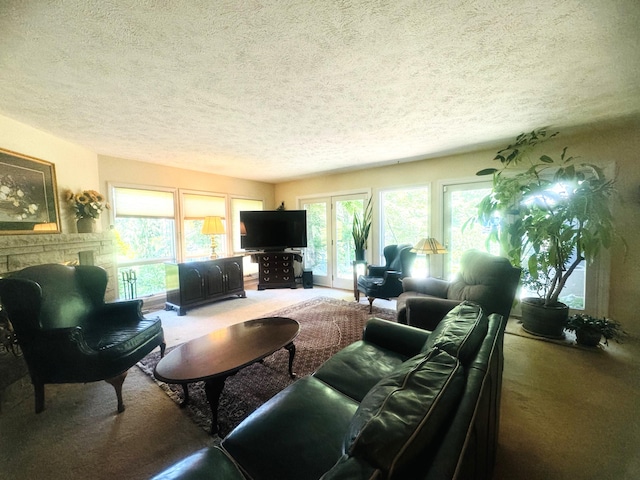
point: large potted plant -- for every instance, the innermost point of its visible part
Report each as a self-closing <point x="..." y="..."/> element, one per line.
<point x="549" y="213"/>
<point x="360" y="229"/>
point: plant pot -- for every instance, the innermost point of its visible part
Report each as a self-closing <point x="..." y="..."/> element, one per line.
<point x="588" y="338"/>
<point x="360" y="253"/>
<point x="544" y="321"/>
<point x="86" y="225"/>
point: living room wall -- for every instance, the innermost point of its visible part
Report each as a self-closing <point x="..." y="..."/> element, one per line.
<point x="605" y="144"/>
<point x="608" y="145"/>
<point x="76" y="167"/>
<point x="123" y="171"/>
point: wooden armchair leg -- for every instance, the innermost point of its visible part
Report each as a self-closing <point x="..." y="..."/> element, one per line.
<point x="371" y="299"/>
<point x="163" y="347"/>
<point x="117" y="385"/>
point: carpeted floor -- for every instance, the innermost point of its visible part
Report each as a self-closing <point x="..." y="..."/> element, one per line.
<point x="326" y="326"/>
<point x="567" y="413"/>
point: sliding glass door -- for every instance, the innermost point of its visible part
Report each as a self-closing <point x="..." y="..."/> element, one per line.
<point x="330" y="249"/>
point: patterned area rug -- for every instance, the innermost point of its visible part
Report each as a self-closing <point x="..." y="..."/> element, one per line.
<point x="326" y="326"/>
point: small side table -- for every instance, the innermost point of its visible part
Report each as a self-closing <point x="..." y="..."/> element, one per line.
<point x="359" y="268"/>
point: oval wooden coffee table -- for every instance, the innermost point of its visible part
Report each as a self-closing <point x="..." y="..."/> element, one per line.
<point x="222" y="353"/>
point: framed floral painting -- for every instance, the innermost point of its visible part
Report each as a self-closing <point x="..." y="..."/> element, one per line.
<point x="28" y="202"/>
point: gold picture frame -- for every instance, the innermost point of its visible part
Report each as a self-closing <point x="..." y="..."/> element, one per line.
<point x="28" y="199"/>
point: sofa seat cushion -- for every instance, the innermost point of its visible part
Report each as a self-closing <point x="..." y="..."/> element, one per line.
<point x="370" y="282"/>
<point x="298" y="434"/>
<point x="352" y="468"/>
<point x="358" y="367"/>
<point x="404" y="414"/>
<point x="205" y="463"/>
<point x="460" y="332"/>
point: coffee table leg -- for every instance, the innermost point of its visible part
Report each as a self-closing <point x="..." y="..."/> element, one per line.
<point x="213" y="389"/>
<point x="185" y="400"/>
<point x="292" y="352"/>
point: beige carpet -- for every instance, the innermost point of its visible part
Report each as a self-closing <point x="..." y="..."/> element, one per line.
<point x="567" y="413"/>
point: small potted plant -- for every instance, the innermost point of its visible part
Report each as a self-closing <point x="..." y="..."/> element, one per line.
<point x="589" y="330"/>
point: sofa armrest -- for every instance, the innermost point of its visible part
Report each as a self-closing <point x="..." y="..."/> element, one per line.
<point x="128" y="311"/>
<point x="426" y="312"/>
<point x="403" y="339"/>
<point x="212" y="462"/>
<point x="430" y="286"/>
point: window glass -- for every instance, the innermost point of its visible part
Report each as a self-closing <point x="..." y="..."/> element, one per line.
<point x="145" y="238"/>
<point x="405" y="217"/>
<point x="195" y="207"/>
<point x="237" y="205"/>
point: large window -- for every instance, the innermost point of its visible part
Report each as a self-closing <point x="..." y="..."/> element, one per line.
<point x="195" y="207"/>
<point x="238" y="205"/>
<point x="405" y="217"/>
<point x="145" y="233"/>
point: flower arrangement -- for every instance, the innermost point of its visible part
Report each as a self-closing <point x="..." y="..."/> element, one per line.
<point x="87" y="203"/>
<point x="16" y="202"/>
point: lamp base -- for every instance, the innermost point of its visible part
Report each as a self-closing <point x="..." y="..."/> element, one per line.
<point x="213" y="255"/>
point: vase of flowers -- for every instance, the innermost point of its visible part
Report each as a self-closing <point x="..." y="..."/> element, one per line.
<point x="87" y="206"/>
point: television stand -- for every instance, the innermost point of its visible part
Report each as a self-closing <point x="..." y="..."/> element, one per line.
<point x="275" y="269"/>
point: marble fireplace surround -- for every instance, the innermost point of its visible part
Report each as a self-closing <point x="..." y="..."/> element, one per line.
<point x="21" y="251"/>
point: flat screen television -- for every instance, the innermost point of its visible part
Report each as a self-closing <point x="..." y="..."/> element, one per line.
<point x="273" y="229"/>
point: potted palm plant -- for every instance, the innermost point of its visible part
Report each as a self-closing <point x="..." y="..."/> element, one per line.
<point x="361" y="228"/>
<point x="590" y="330"/>
<point x="548" y="213"/>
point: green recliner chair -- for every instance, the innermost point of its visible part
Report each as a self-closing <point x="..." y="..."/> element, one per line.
<point x="485" y="279"/>
<point x="68" y="334"/>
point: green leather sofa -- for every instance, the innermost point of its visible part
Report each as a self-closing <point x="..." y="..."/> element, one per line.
<point x="402" y="403"/>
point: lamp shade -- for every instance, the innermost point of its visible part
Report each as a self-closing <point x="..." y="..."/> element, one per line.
<point x="429" y="246"/>
<point x="213" y="226"/>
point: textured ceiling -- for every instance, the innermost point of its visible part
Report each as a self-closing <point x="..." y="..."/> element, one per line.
<point x="276" y="89"/>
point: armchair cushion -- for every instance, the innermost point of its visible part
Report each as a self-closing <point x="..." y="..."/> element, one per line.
<point x="460" y="333"/>
<point x="405" y="412"/>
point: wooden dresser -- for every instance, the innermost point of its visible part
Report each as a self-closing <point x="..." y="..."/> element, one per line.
<point x="275" y="269"/>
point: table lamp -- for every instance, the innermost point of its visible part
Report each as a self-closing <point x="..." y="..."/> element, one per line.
<point x="213" y="226"/>
<point x="429" y="246"/>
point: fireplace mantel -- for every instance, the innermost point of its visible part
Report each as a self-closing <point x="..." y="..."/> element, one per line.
<point x="21" y="251"/>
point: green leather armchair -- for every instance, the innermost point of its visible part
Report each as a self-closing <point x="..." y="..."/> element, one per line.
<point x="385" y="281"/>
<point x="487" y="280"/>
<point x="68" y="334"/>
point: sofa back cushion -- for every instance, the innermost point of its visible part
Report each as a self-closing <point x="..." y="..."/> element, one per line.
<point x="460" y="333"/>
<point x="405" y="412"/>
